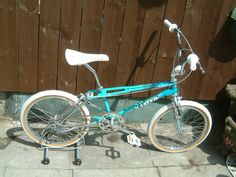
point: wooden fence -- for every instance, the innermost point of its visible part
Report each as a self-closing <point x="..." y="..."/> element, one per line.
<point x="35" y="33"/>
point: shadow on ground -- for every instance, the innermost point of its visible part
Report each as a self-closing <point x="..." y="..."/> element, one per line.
<point x="112" y="141"/>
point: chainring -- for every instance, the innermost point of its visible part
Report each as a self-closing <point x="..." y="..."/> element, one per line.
<point x="110" y="121"/>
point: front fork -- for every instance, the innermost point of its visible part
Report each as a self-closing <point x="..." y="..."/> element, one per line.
<point x="177" y="113"/>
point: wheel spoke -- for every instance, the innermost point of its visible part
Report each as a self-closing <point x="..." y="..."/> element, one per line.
<point x="166" y="135"/>
<point x="40" y="115"/>
<point x="55" y="121"/>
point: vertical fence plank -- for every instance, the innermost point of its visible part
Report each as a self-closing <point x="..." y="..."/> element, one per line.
<point x="110" y="40"/>
<point x="228" y="55"/>
<point x="8" y="46"/>
<point x="192" y="21"/>
<point x="204" y="36"/>
<point x="130" y="41"/>
<point x="69" y="38"/>
<point x="90" y="40"/>
<point x="28" y="45"/>
<point x="174" y="12"/>
<point x="153" y="22"/>
<point x="48" y="43"/>
<point x="221" y="50"/>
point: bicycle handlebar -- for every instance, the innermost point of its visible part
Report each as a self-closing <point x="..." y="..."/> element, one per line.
<point x="192" y="59"/>
<point x="171" y="26"/>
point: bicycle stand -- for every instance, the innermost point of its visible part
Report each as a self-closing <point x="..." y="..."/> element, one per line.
<point x="77" y="160"/>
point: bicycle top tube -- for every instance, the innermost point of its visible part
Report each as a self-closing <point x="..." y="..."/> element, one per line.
<point x="124" y="90"/>
<point x="171" y="89"/>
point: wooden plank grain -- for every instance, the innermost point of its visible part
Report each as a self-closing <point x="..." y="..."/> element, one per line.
<point x="151" y="33"/>
<point x="8" y="46"/>
<point x="168" y="44"/>
<point x="190" y="27"/>
<point x="110" y="40"/>
<point x="48" y="44"/>
<point x="69" y="38"/>
<point x="221" y="60"/>
<point x="206" y="33"/>
<point x="28" y="45"/>
<point x="92" y="21"/>
<point x="204" y="36"/>
<point x="228" y="48"/>
<point x="130" y="42"/>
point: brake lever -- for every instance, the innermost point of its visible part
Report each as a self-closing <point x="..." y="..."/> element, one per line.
<point x="200" y="67"/>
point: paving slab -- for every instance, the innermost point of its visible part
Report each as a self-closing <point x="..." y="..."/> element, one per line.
<point x="11" y="172"/>
<point x="2" y="172"/>
<point x="139" y="172"/>
<point x="195" y="171"/>
<point x="192" y="157"/>
<point x="106" y="155"/>
<point x="206" y="153"/>
<point x="23" y="156"/>
<point x="112" y="151"/>
<point x="17" y="151"/>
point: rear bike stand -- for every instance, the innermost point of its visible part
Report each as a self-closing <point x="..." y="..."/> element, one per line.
<point x="45" y="160"/>
<point x="76" y="148"/>
<point x="77" y="160"/>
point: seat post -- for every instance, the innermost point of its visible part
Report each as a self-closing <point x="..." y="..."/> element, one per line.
<point x="95" y="75"/>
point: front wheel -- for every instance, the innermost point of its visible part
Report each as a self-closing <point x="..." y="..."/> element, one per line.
<point x="171" y="133"/>
<point x="54" y="118"/>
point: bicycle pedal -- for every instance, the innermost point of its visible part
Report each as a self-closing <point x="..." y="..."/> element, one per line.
<point x="133" y="140"/>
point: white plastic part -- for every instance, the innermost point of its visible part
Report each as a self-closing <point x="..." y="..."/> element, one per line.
<point x="182" y="103"/>
<point x="178" y="69"/>
<point x="172" y="27"/>
<point x="133" y="140"/>
<point x="167" y="23"/>
<point x="74" y="57"/>
<point x="192" y="60"/>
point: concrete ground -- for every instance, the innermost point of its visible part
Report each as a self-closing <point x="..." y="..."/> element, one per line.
<point x="108" y="155"/>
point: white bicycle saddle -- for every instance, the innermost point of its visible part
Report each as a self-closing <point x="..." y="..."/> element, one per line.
<point x="74" y="57"/>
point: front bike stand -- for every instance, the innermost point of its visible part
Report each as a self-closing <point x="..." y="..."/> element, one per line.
<point x="77" y="160"/>
<point x="45" y="160"/>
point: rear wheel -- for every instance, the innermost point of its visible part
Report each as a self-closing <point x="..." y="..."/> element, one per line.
<point x="53" y="118"/>
<point x="166" y="134"/>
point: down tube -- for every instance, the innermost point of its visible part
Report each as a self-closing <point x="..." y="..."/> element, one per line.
<point x="168" y="92"/>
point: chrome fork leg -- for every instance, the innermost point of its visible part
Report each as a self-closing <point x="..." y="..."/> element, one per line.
<point x="178" y="115"/>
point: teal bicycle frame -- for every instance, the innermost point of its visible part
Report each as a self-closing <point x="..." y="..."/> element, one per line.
<point x="104" y="93"/>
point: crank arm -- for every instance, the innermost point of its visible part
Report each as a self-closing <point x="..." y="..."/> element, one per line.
<point x="123" y="129"/>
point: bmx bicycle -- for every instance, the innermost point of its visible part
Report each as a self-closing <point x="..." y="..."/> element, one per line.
<point x="56" y="118"/>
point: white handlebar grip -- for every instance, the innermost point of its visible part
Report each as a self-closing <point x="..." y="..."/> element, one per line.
<point x="192" y="60"/>
<point x="172" y="27"/>
<point x="167" y="23"/>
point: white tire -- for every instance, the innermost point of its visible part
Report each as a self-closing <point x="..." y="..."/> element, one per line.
<point x="163" y="127"/>
<point x="42" y="112"/>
